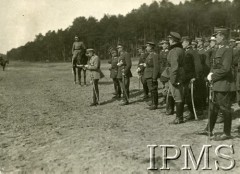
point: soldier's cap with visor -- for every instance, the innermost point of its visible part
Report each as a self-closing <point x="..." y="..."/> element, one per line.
<point x="119" y="45"/>
<point x="237" y="40"/>
<point x="199" y="39"/>
<point x="176" y="36"/>
<point x="194" y="42"/>
<point x="186" y="38"/>
<point x="90" y="50"/>
<point x="152" y="44"/>
<point x="232" y="40"/>
<point x="221" y="30"/>
<point x="212" y="38"/>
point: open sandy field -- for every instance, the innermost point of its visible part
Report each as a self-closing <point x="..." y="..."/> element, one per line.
<point x="47" y="126"/>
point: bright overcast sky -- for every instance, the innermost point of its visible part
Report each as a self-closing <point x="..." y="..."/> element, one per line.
<point x="21" y="20"/>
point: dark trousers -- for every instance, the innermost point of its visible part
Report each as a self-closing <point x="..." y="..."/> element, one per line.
<point x="125" y="83"/>
<point x="153" y="88"/>
<point x="221" y="101"/>
<point x="95" y="91"/>
<point x="117" y="87"/>
<point x="145" y="87"/>
<point x="200" y="93"/>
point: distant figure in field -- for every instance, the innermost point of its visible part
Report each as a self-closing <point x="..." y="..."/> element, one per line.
<point x="3" y="62"/>
<point x="79" y="59"/>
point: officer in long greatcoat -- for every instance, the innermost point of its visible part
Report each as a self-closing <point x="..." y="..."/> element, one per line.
<point x="201" y="82"/>
<point x="223" y="86"/>
<point x="175" y="59"/>
<point x="190" y="74"/>
<point x="151" y="74"/>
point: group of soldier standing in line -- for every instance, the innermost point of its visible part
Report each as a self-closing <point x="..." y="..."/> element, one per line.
<point x="198" y="73"/>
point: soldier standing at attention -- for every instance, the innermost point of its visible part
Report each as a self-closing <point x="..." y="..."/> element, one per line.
<point x="189" y="70"/>
<point x="114" y="73"/>
<point x="141" y="68"/>
<point x="77" y="50"/>
<point x="175" y="59"/>
<point x="194" y="44"/>
<point x="211" y="51"/>
<point x="163" y="64"/>
<point x="221" y="77"/>
<point x="238" y="70"/>
<point x="124" y="72"/>
<point x="151" y="74"/>
<point x="201" y="82"/>
<point x="94" y="68"/>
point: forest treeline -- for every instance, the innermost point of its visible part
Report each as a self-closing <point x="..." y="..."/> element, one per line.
<point x="147" y="23"/>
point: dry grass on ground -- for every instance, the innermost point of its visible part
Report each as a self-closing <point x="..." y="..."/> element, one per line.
<point x="47" y="126"/>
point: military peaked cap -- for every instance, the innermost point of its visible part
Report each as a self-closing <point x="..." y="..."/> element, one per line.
<point x="175" y="35"/>
<point x="151" y="43"/>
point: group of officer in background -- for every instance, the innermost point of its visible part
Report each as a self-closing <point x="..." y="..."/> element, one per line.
<point x="198" y="73"/>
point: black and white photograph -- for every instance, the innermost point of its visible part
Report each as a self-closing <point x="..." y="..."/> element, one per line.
<point x="120" y="87"/>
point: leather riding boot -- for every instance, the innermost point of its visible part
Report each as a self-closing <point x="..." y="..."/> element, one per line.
<point x="227" y="122"/>
<point x="179" y="113"/>
<point x="154" y="101"/>
<point x="170" y="106"/>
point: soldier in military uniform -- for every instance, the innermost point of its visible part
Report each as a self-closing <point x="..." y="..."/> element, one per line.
<point x="141" y="68"/>
<point x="175" y="59"/>
<point x="194" y="44"/>
<point x="164" y="78"/>
<point x="201" y="82"/>
<point x="113" y="73"/>
<point x="124" y="72"/>
<point x="151" y="74"/>
<point x="189" y="71"/>
<point x="238" y="70"/>
<point x="78" y="53"/>
<point x="223" y="86"/>
<point x="94" y="68"/>
<point x="211" y="51"/>
<point x="232" y="43"/>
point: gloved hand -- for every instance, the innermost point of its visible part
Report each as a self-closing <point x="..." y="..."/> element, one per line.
<point x="209" y="77"/>
<point x="120" y="63"/>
